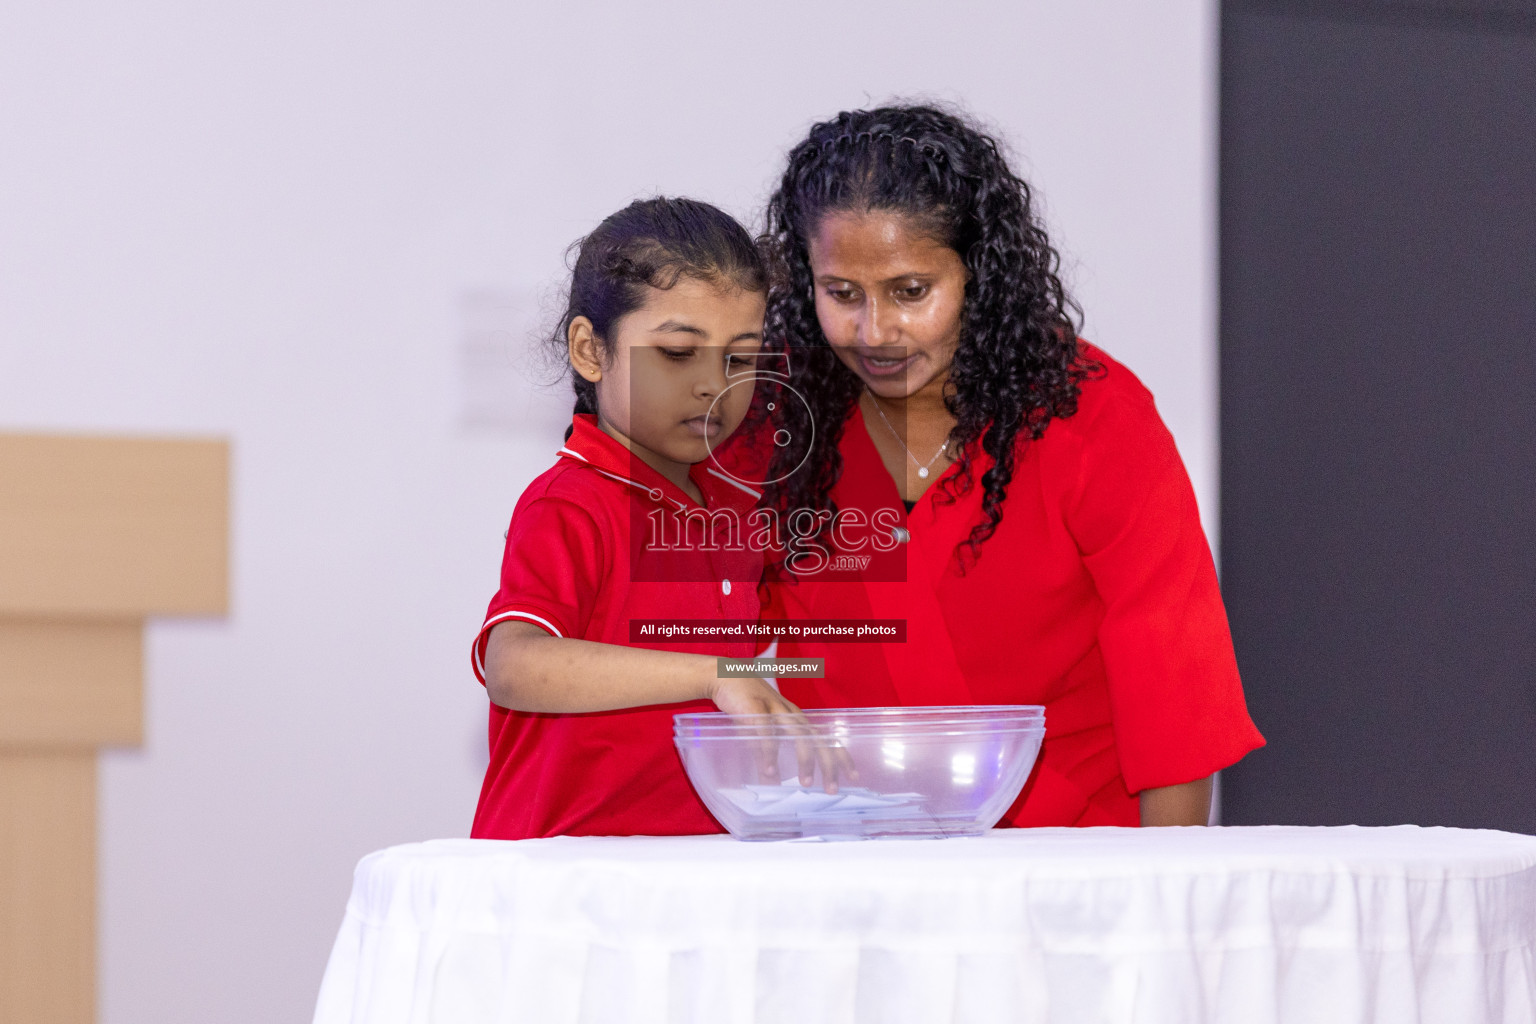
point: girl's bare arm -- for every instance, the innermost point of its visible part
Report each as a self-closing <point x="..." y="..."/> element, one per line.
<point x="526" y="669"/>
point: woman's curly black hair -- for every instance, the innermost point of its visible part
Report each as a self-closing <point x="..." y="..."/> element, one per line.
<point x="1019" y="363"/>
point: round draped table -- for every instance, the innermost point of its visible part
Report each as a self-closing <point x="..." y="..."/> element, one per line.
<point x="1179" y="925"/>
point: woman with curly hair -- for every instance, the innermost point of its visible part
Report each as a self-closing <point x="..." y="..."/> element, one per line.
<point x="967" y="464"/>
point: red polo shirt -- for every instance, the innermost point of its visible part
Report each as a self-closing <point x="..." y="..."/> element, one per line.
<point x="582" y="559"/>
<point x="1096" y="597"/>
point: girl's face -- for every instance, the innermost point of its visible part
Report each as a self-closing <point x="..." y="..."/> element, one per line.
<point x="889" y="300"/>
<point x="678" y="377"/>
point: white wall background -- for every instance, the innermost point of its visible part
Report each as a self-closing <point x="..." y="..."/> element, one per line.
<point x="260" y="221"/>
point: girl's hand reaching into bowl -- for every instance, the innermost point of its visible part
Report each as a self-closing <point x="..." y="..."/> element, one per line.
<point x="751" y="695"/>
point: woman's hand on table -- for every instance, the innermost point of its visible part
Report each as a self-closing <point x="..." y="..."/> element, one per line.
<point x="751" y="695"/>
<point x="1188" y="803"/>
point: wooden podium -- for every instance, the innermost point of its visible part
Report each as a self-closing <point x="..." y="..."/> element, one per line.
<point x="96" y="535"/>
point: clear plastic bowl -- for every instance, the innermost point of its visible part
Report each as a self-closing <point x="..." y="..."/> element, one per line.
<point x="915" y="772"/>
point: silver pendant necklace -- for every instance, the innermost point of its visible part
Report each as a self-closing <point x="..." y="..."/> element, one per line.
<point x="922" y="469"/>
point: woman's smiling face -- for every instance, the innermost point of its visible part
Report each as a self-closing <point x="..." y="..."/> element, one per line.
<point x="889" y="299"/>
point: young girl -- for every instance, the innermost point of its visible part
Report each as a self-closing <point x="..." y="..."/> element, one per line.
<point x="663" y="322"/>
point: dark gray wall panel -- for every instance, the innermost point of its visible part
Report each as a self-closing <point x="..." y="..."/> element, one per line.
<point x="1379" y="416"/>
<point x="1473" y="15"/>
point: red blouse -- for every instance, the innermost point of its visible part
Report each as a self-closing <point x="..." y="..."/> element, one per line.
<point x="578" y="563"/>
<point x="1096" y="597"/>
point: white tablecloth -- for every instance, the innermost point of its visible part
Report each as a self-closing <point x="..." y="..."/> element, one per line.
<point x="1242" y="925"/>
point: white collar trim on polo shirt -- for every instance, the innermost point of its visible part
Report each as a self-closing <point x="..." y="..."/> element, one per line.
<point x="732" y="481"/>
<point x="654" y="493"/>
